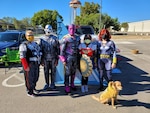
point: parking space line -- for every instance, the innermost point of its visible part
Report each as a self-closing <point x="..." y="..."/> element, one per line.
<point x="4" y="83"/>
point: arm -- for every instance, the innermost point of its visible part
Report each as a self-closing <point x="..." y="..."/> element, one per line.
<point x="23" y="50"/>
<point x="114" y="60"/>
<point x="62" y="51"/>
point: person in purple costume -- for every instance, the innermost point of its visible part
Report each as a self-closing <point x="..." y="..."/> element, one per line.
<point x="69" y="55"/>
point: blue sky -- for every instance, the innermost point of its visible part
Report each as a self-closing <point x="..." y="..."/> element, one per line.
<point x="124" y="10"/>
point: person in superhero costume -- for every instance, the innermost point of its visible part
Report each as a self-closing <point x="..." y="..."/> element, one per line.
<point x="89" y="49"/>
<point x="107" y="58"/>
<point x="70" y="56"/>
<point x="51" y="49"/>
<point x="30" y="54"/>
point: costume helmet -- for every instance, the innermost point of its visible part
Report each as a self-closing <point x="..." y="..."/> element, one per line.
<point x="48" y="29"/>
<point x="29" y="35"/>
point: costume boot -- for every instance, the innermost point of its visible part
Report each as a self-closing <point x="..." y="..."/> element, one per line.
<point x="72" y="83"/>
<point x="82" y="89"/>
<point x="67" y="89"/>
<point x="86" y="88"/>
<point x="101" y="88"/>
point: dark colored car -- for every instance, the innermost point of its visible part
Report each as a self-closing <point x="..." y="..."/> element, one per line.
<point x="84" y="30"/>
<point x="10" y="40"/>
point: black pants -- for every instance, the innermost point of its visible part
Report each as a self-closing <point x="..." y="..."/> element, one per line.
<point x="50" y="71"/>
<point x="84" y="80"/>
<point x="31" y="76"/>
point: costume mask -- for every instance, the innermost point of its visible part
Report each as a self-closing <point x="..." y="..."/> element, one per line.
<point x="87" y="41"/>
<point x="71" y="29"/>
<point x="48" y="29"/>
<point x="29" y="36"/>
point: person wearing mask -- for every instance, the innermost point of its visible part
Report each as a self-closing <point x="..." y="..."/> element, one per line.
<point x="89" y="49"/>
<point x="70" y="56"/>
<point x="50" y="48"/>
<point x="30" y="55"/>
<point x="107" y="58"/>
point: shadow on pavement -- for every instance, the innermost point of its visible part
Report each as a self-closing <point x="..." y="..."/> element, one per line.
<point x="134" y="102"/>
<point x="134" y="80"/>
<point x="74" y="94"/>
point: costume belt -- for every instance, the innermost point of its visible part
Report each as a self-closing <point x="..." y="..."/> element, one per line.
<point x="104" y="56"/>
<point x="33" y="59"/>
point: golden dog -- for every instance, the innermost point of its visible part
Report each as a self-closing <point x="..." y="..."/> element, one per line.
<point x="110" y="93"/>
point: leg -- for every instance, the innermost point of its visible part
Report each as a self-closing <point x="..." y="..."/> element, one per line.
<point x="36" y="72"/>
<point x="72" y="83"/>
<point x="113" y="102"/>
<point x="73" y="68"/>
<point x="108" y="70"/>
<point x="83" y="82"/>
<point x="86" y="84"/>
<point x="46" y="74"/>
<point x="101" y="68"/>
<point x="67" y="74"/>
<point x="53" y="74"/>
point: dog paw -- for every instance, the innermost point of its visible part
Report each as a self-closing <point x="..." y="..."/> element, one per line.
<point x="114" y="107"/>
<point x="106" y="104"/>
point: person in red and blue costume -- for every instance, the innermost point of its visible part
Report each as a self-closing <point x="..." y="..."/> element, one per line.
<point x="89" y="49"/>
<point x="69" y="55"/>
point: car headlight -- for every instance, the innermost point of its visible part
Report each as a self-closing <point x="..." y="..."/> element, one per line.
<point x="3" y="50"/>
<point x="14" y="48"/>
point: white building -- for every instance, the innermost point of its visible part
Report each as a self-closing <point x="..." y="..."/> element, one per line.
<point x="142" y="27"/>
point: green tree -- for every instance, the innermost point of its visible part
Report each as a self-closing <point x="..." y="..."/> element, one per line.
<point x="45" y="17"/>
<point x="90" y="15"/>
<point x="89" y="8"/>
<point x="26" y="22"/>
<point x="125" y="26"/>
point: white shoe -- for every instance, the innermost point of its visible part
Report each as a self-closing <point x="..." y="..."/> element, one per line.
<point x="86" y="88"/>
<point x="31" y="95"/>
<point x="82" y="89"/>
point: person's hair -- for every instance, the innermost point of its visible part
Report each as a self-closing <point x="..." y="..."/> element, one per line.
<point x="28" y="32"/>
<point x="104" y="32"/>
<point x="87" y="36"/>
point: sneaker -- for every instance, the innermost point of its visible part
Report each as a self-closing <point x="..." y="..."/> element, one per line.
<point x="86" y="88"/>
<point x="82" y="89"/>
<point x="31" y="95"/>
<point x="52" y="86"/>
<point x="36" y="91"/>
<point x="46" y="87"/>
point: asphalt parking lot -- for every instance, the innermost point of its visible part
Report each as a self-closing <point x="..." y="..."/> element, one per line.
<point x="134" y="98"/>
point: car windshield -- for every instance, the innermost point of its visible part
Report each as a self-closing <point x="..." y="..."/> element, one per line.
<point x="87" y="31"/>
<point x="9" y="37"/>
<point x="84" y="30"/>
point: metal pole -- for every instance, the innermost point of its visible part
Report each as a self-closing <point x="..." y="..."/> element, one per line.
<point x="100" y="18"/>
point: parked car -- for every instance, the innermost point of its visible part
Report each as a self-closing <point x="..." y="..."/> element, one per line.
<point x="87" y="29"/>
<point x="9" y="45"/>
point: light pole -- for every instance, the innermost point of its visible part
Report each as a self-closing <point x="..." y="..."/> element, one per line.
<point x="100" y="18"/>
<point x="74" y="4"/>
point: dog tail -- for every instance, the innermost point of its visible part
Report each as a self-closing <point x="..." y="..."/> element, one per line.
<point x="95" y="98"/>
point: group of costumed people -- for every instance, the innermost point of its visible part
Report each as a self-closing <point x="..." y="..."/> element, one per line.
<point x="74" y="52"/>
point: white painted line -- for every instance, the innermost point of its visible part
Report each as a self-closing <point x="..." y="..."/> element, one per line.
<point x="4" y="83"/>
<point x="124" y="42"/>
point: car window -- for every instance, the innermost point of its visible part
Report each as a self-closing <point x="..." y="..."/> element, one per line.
<point x="9" y="37"/>
<point x="23" y="38"/>
<point x="87" y="31"/>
